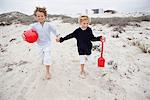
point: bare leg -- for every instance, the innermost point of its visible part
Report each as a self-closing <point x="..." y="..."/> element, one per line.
<point x="82" y="68"/>
<point x="48" y="74"/>
<point x="82" y="72"/>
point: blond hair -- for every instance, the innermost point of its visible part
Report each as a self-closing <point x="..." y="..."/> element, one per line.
<point x="40" y="9"/>
<point x="83" y="18"/>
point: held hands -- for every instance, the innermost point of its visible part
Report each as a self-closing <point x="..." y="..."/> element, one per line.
<point x="57" y="39"/>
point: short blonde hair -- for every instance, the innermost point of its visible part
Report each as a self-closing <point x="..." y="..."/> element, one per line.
<point x="40" y="9"/>
<point x="83" y="18"/>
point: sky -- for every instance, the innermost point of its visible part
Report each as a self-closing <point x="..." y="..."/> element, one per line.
<point x="68" y="7"/>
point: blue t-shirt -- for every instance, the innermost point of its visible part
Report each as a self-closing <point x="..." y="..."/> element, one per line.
<point x="44" y="36"/>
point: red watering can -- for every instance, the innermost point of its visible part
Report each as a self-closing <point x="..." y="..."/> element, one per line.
<point x="30" y="36"/>
<point x="101" y="60"/>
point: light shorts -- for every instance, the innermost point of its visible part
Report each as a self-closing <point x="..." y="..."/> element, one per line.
<point x="45" y="54"/>
<point x="83" y="58"/>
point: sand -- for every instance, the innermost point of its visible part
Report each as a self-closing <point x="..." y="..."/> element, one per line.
<point x="126" y="75"/>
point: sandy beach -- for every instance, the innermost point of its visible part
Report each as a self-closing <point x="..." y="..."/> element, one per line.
<point x="126" y="75"/>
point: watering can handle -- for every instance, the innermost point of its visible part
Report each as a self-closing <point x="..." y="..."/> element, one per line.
<point x="102" y="40"/>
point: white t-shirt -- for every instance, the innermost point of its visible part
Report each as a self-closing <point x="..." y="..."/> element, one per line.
<point x="44" y="33"/>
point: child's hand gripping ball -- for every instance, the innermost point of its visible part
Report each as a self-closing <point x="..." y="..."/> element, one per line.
<point x="30" y="36"/>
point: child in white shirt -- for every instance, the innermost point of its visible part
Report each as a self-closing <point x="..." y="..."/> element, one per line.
<point x="44" y="38"/>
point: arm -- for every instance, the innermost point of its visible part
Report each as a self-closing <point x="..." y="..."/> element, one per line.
<point x="93" y="38"/>
<point x="53" y="30"/>
<point x="72" y="35"/>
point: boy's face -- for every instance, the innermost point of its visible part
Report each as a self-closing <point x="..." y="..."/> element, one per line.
<point x="40" y="17"/>
<point x="84" y="24"/>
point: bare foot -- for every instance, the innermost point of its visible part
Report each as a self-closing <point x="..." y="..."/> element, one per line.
<point x="48" y="76"/>
<point x="83" y="74"/>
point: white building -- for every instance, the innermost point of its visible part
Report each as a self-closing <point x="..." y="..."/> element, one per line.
<point x="92" y="12"/>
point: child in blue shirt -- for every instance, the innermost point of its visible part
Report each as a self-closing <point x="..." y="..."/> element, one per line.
<point x="44" y="38"/>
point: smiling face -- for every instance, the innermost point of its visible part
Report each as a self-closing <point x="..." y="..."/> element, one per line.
<point x="84" y="24"/>
<point x="40" y="17"/>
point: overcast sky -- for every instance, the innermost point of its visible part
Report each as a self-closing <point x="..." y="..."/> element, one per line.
<point x="73" y="6"/>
